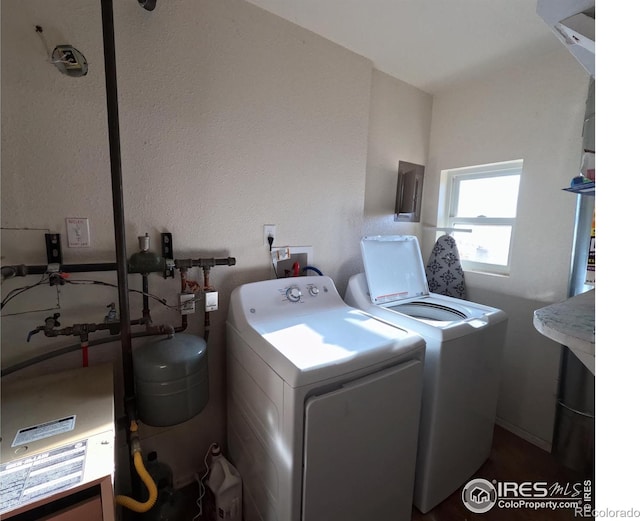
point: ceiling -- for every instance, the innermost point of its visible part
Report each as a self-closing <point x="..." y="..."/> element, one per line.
<point x="430" y="44"/>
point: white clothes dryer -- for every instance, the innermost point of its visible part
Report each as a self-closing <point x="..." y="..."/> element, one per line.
<point x="464" y="343"/>
<point x="323" y="404"/>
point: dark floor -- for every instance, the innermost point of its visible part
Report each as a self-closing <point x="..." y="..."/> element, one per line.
<point x="512" y="459"/>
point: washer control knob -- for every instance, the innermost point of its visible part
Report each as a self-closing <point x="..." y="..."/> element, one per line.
<point x="314" y="291"/>
<point x="293" y="294"/>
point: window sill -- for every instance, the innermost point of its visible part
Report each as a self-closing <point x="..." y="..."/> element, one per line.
<point x="480" y="271"/>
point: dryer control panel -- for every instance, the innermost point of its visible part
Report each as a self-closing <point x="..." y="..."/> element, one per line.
<point x="296" y="292"/>
<point x="288" y="297"/>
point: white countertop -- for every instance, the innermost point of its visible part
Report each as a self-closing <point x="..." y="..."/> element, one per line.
<point x="571" y="323"/>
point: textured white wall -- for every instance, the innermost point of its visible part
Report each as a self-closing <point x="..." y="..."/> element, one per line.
<point x="532" y="112"/>
<point x="230" y="118"/>
<point x="399" y="123"/>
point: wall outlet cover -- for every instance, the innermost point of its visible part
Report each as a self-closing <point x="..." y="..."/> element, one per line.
<point x="269" y="230"/>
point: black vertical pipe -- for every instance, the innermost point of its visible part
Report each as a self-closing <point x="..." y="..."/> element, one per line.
<point x="109" y="48"/>
<point x="146" y="312"/>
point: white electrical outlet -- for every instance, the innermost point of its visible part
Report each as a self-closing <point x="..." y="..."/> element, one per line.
<point x="78" y="232"/>
<point x="269" y="231"/>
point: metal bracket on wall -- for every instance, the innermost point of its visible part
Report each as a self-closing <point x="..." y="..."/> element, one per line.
<point x="167" y="253"/>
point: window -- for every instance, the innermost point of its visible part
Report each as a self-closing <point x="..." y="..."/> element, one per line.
<point x="482" y="201"/>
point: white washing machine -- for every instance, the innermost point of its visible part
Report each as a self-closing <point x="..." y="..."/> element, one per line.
<point x="464" y="343"/>
<point x="323" y="405"/>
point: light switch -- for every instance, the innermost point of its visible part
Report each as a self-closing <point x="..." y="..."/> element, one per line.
<point x="78" y="232"/>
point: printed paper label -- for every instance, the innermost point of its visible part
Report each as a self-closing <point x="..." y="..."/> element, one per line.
<point x="44" y="430"/>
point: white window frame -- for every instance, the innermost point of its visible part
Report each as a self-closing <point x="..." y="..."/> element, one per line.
<point x="450" y="182"/>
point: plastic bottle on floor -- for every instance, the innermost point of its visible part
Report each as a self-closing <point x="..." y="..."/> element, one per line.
<point x="223" y="494"/>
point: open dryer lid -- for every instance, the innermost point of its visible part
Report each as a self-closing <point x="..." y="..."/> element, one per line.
<point x="394" y="268"/>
